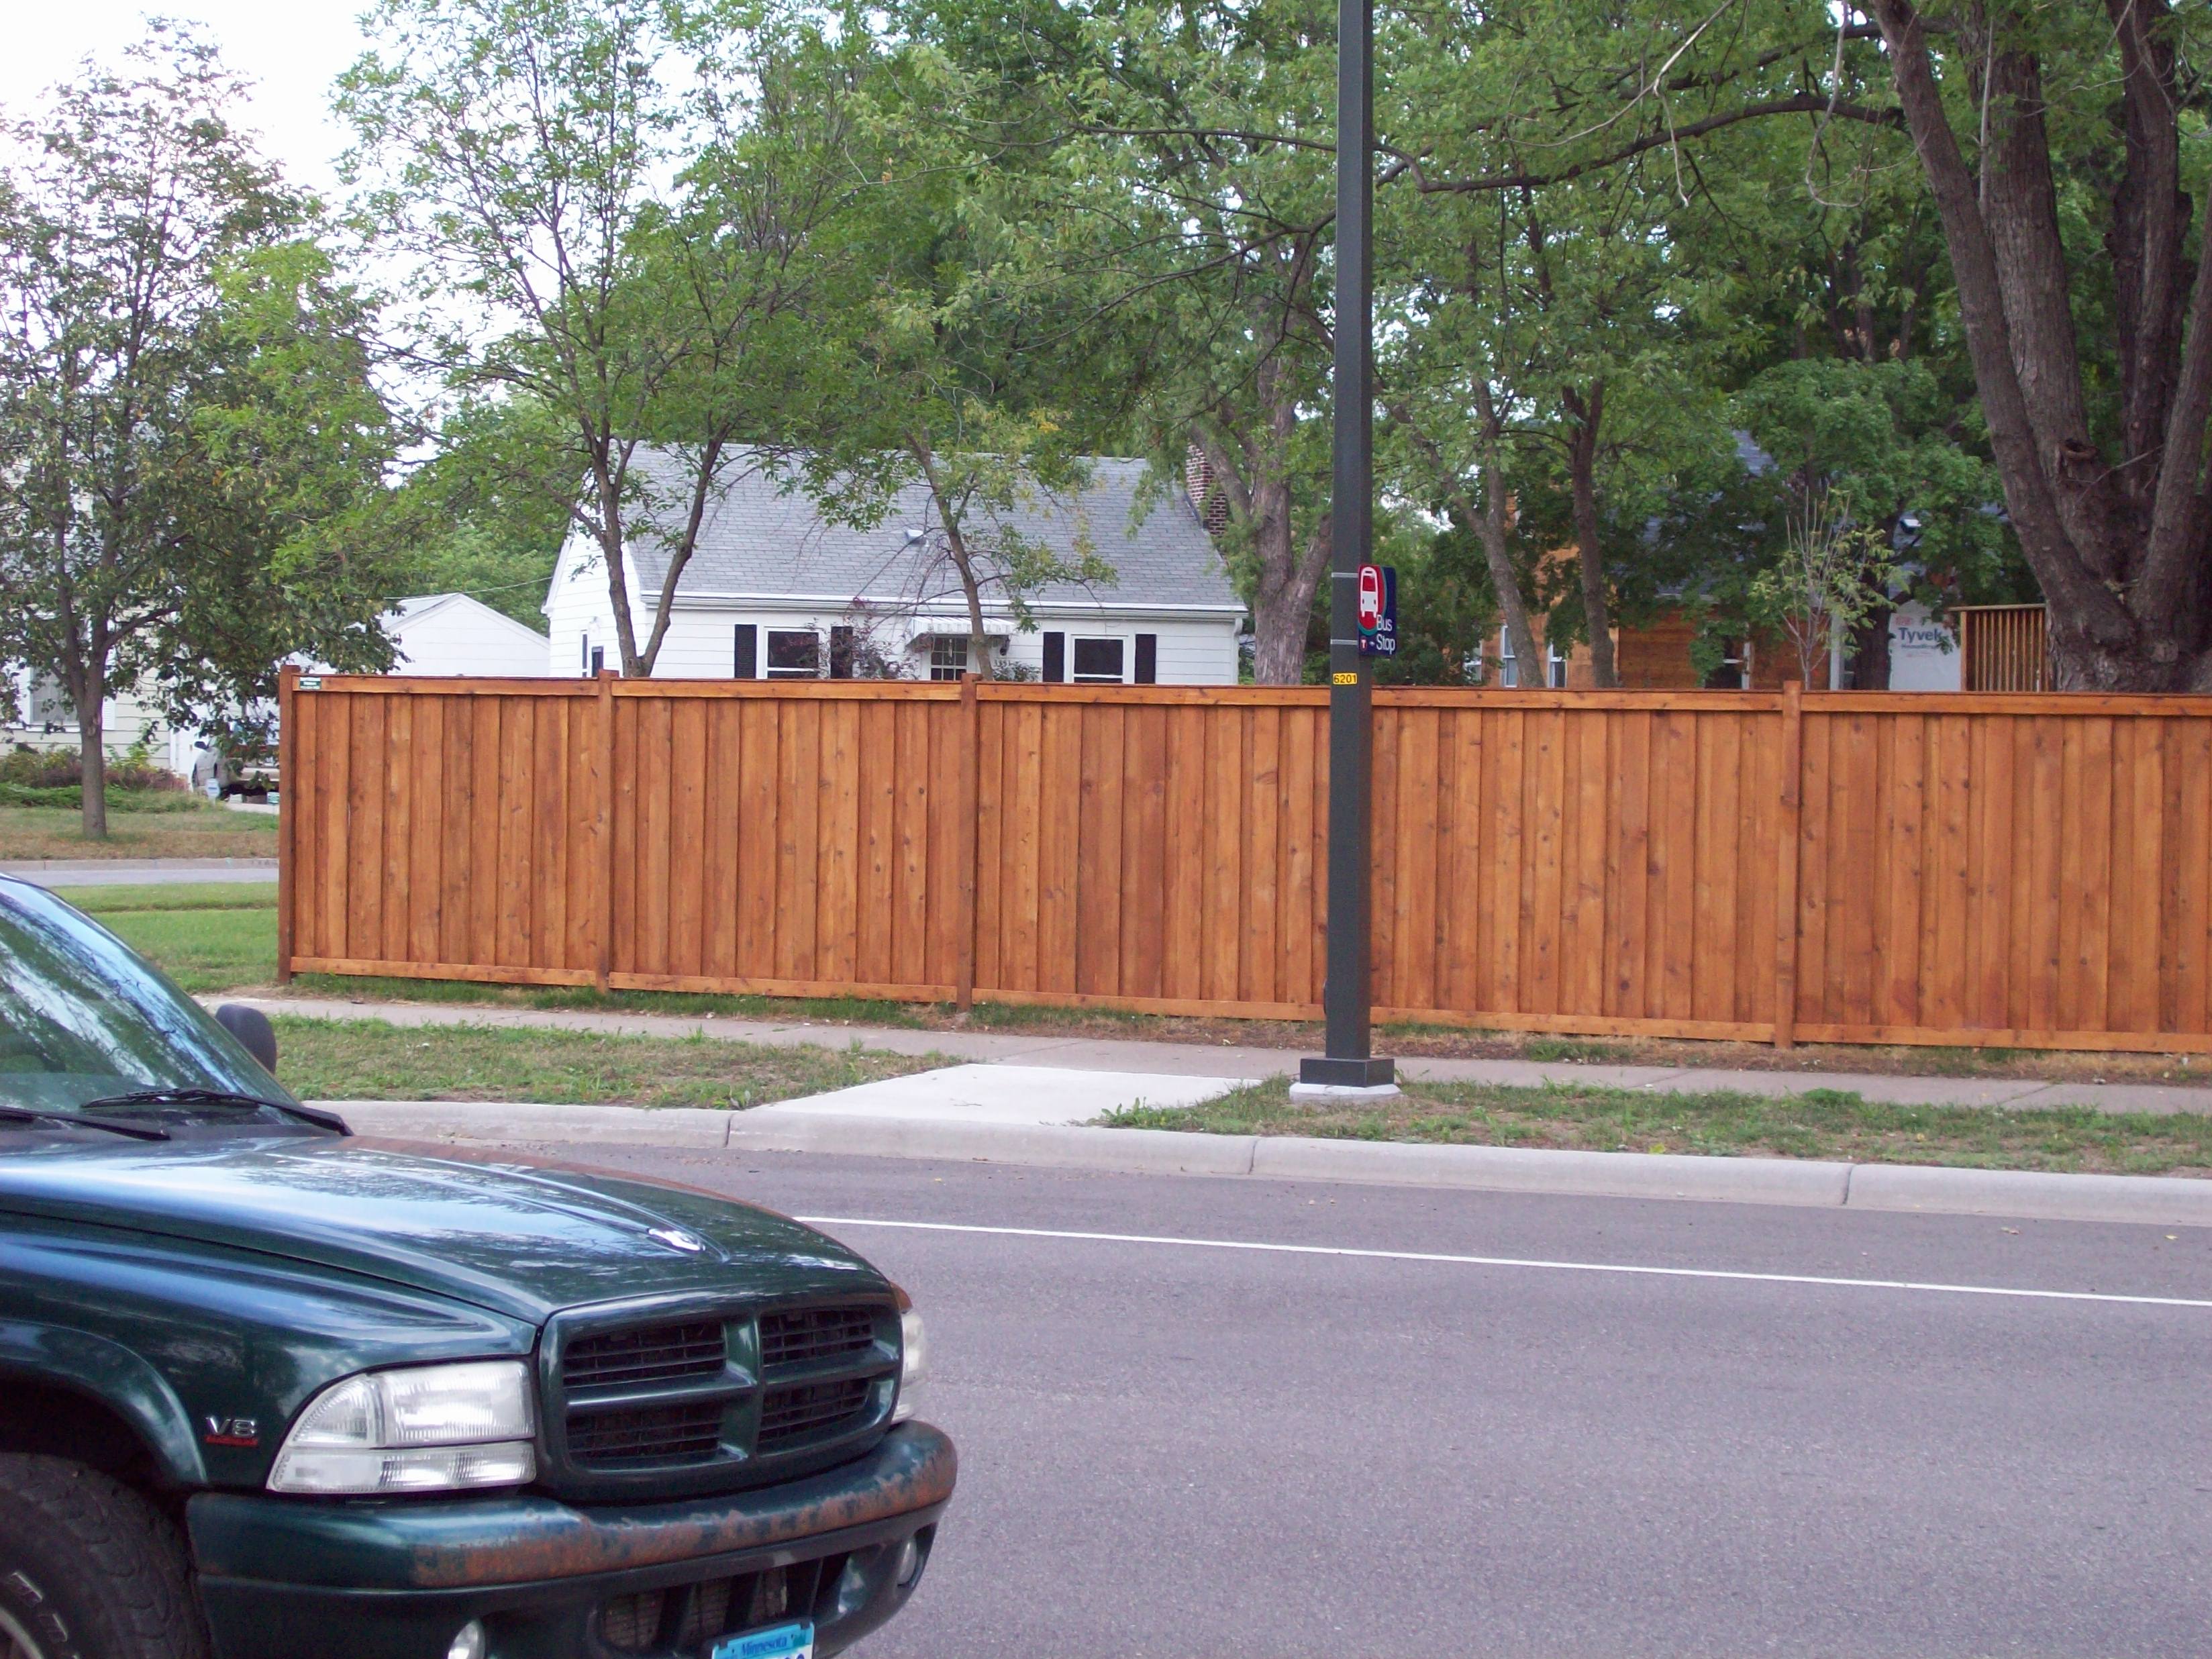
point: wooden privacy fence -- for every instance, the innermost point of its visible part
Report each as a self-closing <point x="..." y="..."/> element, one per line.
<point x="1847" y="867"/>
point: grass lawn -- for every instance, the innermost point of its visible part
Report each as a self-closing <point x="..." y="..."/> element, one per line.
<point x="212" y="936"/>
<point x="185" y="827"/>
<point x="1823" y="1124"/>
<point x="219" y="937"/>
<point x="367" y="1059"/>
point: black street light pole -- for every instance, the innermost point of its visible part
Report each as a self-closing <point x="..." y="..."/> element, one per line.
<point x="1346" y="995"/>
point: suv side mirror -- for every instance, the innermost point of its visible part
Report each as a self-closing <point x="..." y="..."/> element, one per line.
<point x="253" y="1029"/>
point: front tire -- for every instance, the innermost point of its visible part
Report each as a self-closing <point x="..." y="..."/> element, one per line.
<point x="90" y="1569"/>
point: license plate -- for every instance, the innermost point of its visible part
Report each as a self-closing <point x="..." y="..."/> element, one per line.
<point x="792" y="1641"/>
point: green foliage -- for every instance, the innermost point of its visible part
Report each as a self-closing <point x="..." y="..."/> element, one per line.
<point x="1834" y="574"/>
<point x="638" y="196"/>
<point x="185" y="407"/>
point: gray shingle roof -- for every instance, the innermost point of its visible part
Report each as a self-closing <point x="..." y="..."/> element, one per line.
<point x="762" y="541"/>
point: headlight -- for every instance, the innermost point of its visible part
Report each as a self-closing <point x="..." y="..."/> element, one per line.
<point x="426" y="1428"/>
<point x="914" y="1362"/>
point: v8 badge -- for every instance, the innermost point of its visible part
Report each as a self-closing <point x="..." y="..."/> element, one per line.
<point x="231" y="1430"/>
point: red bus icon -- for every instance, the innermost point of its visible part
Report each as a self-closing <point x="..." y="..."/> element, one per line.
<point x="1370" y="596"/>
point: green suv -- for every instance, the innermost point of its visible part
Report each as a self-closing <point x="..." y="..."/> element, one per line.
<point x="270" y="1390"/>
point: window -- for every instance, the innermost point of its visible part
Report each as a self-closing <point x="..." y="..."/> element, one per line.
<point x="795" y="653"/>
<point x="948" y="656"/>
<point x="1055" y="658"/>
<point x="1098" y="662"/>
<point x="85" y="1017"/>
<point x="599" y="660"/>
<point x="745" y="662"/>
<point x="1734" y="673"/>
<point x="1558" y="668"/>
<point x="1509" y="672"/>
<point x="588" y="654"/>
<point x="842" y="653"/>
<point x="1148" y="659"/>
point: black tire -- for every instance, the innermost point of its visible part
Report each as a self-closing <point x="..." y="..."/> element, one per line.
<point x="90" y="1569"/>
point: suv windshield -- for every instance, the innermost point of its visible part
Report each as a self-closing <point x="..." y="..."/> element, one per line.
<point x="82" y="1017"/>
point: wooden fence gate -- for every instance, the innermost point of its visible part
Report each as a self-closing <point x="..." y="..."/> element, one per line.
<point x="1836" y="867"/>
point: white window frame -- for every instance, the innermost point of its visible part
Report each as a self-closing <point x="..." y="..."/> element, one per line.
<point x="770" y="635"/>
<point x="950" y="655"/>
<point x="1509" y="669"/>
<point x="1077" y="677"/>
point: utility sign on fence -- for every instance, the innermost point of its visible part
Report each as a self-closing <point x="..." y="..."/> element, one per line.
<point x="1378" y="611"/>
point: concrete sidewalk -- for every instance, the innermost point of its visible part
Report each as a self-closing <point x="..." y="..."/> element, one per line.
<point x="1226" y="1061"/>
<point x="137" y="873"/>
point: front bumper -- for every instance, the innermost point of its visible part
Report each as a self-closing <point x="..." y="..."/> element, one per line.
<point x="292" y="1578"/>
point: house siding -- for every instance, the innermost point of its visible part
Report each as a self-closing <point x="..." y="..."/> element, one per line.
<point x="1194" y="649"/>
<point x="467" y="637"/>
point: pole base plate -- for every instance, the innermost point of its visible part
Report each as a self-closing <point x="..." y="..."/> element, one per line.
<point x="1326" y="1077"/>
<point x="1345" y="1091"/>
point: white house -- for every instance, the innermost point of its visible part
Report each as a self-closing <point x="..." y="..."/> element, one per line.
<point x="775" y="592"/>
<point x="445" y="634"/>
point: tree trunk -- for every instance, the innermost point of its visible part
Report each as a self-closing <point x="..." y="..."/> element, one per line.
<point x="1282" y="609"/>
<point x="1870" y="655"/>
<point x="1283" y="597"/>
<point x="1487" y="522"/>
<point x="2123" y="586"/>
<point x="92" y="753"/>
<point x="956" y="549"/>
<point x="1588" y="412"/>
<point x="979" y="643"/>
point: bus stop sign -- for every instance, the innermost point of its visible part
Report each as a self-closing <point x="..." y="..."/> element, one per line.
<point x="1378" y="611"/>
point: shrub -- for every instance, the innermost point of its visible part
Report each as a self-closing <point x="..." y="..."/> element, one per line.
<point x="26" y="767"/>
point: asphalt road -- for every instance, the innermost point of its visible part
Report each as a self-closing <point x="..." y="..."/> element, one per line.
<point x="1183" y="1452"/>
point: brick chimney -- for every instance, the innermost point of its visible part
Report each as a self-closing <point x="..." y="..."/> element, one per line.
<point x="1198" y="482"/>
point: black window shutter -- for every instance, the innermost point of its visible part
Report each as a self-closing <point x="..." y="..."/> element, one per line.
<point x="1148" y="659"/>
<point x="747" y="666"/>
<point x="1055" y="658"/>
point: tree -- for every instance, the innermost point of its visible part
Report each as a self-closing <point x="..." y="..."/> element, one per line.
<point x="952" y="354"/>
<point x="2050" y="143"/>
<point x="184" y="403"/>
<point x="1205" y="120"/>
<point x="632" y="192"/>
<point x="485" y="513"/>
<point x="2078" y="119"/>
<point x="1833" y="573"/>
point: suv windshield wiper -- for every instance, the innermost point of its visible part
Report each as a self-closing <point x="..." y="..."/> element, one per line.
<point x="31" y="1115"/>
<point x="194" y="1097"/>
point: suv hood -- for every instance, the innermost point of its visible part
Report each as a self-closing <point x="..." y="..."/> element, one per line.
<point x="522" y="1236"/>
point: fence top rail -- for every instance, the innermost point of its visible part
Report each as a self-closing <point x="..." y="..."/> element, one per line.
<point x="2073" y="704"/>
<point x="428" y="685"/>
<point x="2079" y="705"/>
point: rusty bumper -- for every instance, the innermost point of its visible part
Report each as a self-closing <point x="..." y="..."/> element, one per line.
<point x="298" y="1578"/>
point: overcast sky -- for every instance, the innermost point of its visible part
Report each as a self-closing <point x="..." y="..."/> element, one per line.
<point x="291" y="51"/>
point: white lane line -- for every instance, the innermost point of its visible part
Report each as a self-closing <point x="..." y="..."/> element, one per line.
<point x="1518" y="1261"/>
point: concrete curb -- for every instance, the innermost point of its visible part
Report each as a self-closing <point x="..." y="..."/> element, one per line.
<point x="2160" y="1200"/>
<point x="1526" y="1169"/>
<point x="2154" y="1199"/>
